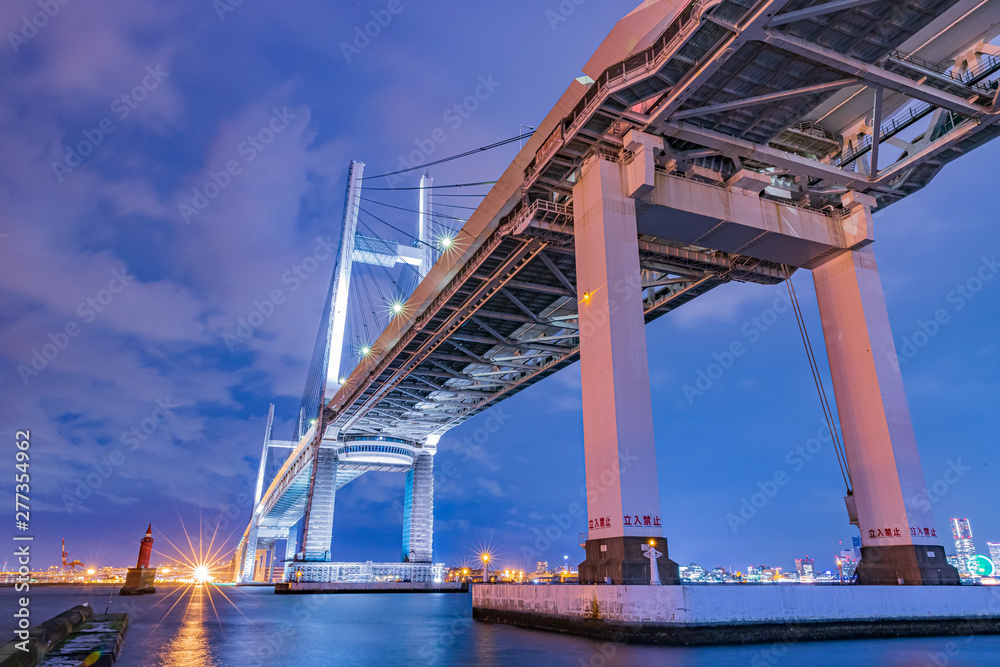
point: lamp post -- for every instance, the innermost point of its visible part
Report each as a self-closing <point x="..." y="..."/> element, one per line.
<point x="649" y="550"/>
<point x="486" y="568"/>
<point x="520" y="144"/>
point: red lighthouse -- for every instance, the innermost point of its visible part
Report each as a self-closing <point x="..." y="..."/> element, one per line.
<point x="140" y="579"/>
<point x="145" y="548"/>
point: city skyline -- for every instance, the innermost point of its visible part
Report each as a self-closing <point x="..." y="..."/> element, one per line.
<point x="151" y="377"/>
<point x="826" y="563"/>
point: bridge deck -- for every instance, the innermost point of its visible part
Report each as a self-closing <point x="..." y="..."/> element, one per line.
<point x="500" y="314"/>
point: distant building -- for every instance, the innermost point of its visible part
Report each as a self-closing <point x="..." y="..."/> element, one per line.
<point x="805" y="568"/>
<point x="367" y="572"/>
<point x="965" y="550"/>
<point x="994" y="548"/>
<point x="953" y="561"/>
<point x="847" y="564"/>
<point x="719" y="575"/>
<point x="856" y="541"/>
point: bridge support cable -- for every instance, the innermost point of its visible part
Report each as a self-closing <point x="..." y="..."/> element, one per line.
<point x="377" y="322"/>
<point x="475" y="151"/>
<point x="838" y="446"/>
<point x="407" y="281"/>
<point x="413" y="210"/>
<point x="438" y="187"/>
<point x="416" y="239"/>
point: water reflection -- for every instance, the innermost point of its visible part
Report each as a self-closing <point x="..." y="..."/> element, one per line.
<point x="191" y="646"/>
<point x="219" y="626"/>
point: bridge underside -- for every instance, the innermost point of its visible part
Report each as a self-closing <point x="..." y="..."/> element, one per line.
<point x="510" y="320"/>
<point x="740" y="99"/>
<point x="749" y="138"/>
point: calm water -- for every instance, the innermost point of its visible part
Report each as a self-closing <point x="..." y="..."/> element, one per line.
<point x="216" y="626"/>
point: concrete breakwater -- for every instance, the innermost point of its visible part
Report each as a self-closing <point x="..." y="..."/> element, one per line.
<point x="704" y="615"/>
<point x="70" y="638"/>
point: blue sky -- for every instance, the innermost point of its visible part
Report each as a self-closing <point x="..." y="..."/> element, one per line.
<point x="198" y="80"/>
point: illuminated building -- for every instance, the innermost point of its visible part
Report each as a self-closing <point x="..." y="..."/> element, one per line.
<point x="965" y="550"/>
<point x="805" y="568"/>
<point x="367" y="572"/>
<point x="994" y="548"/>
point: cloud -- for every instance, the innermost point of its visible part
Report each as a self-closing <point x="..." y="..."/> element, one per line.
<point x="491" y="486"/>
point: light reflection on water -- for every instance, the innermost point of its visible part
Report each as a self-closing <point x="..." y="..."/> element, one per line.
<point x="198" y="626"/>
<point x="190" y="645"/>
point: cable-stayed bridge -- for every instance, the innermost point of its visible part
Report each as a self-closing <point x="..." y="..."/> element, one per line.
<point x="708" y="141"/>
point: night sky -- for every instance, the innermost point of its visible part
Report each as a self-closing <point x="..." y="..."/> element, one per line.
<point x="105" y="245"/>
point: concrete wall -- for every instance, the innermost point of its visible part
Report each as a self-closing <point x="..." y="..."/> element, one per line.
<point x="741" y="604"/>
<point x="369" y="587"/>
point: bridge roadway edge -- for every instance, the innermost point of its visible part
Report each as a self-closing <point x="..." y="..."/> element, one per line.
<point x="703" y="615"/>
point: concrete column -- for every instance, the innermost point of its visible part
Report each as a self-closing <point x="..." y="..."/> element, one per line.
<point x="260" y="567"/>
<point x="291" y="548"/>
<point x="249" y="555"/>
<point x="318" y="531"/>
<point x="898" y="535"/>
<point x="418" y="511"/>
<point x="623" y="495"/>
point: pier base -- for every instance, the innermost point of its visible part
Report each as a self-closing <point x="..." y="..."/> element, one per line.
<point x="622" y="560"/>
<point x="916" y="565"/>
<point x="732" y="613"/>
<point x="139" y="581"/>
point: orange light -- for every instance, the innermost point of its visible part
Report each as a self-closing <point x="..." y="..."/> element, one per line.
<point x="202" y="575"/>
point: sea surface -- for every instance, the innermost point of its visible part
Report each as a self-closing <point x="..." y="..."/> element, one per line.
<point x="214" y="626"/>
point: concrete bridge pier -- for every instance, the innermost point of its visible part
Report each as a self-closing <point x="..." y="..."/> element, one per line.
<point x="899" y="540"/>
<point x="623" y="493"/>
<point x="418" y="509"/>
<point x="317" y="533"/>
<point x="249" y="555"/>
<point x="291" y="548"/>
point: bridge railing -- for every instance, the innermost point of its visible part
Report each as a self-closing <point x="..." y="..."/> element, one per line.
<point x="893" y="125"/>
<point x="649" y="59"/>
<point x="969" y="79"/>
